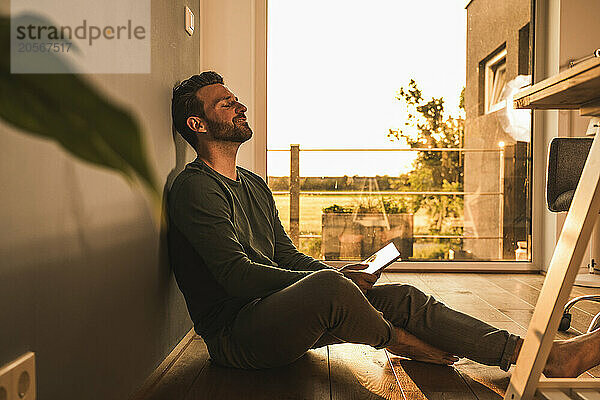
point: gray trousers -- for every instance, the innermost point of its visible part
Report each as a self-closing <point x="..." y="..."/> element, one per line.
<point x="327" y="308"/>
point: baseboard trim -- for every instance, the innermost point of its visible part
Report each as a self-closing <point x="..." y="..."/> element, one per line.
<point x="150" y="382"/>
<point x="454" y="266"/>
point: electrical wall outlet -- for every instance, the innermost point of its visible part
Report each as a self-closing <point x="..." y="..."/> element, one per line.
<point x="17" y="379"/>
<point x="5" y="386"/>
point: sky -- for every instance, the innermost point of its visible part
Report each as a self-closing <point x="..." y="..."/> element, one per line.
<point x="334" y="69"/>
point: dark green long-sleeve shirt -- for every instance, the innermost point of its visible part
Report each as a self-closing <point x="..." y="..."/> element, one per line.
<point x="227" y="245"/>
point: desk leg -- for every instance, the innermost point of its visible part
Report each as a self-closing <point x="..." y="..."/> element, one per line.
<point x="564" y="266"/>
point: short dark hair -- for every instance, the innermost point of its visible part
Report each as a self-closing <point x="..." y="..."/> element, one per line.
<point x="185" y="103"/>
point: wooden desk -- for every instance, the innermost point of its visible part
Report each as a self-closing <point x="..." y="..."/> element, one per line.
<point x="575" y="88"/>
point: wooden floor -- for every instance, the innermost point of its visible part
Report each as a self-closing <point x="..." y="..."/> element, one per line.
<point x="349" y="371"/>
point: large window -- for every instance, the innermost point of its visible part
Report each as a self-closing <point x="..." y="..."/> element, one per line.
<point x="380" y="129"/>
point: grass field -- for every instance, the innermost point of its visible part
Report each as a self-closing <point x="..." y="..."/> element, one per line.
<point x="311" y="208"/>
<point x="310" y="223"/>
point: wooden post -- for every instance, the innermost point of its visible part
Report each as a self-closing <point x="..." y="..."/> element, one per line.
<point x="295" y="194"/>
<point x="501" y="206"/>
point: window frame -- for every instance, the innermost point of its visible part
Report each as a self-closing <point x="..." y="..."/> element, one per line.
<point x="540" y="46"/>
<point x="491" y="70"/>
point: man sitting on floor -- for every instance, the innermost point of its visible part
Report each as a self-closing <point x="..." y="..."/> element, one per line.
<point x="260" y="303"/>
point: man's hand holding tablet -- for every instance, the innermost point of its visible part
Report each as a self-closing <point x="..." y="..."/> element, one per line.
<point x="366" y="273"/>
<point x="384" y="257"/>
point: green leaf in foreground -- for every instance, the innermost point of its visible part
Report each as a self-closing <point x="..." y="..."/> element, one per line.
<point x="64" y="108"/>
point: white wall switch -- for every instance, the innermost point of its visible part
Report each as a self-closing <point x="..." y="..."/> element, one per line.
<point x="189" y="21"/>
<point x="17" y="379"/>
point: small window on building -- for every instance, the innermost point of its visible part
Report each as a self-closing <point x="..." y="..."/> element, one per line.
<point x="524" y="51"/>
<point x="495" y="81"/>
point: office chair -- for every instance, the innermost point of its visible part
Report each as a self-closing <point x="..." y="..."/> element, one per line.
<point x="566" y="159"/>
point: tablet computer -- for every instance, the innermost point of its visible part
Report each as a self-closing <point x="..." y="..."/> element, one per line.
<point x="384" y="257"/>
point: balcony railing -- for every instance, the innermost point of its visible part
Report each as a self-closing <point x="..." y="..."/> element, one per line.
<point x="295" y="193"/>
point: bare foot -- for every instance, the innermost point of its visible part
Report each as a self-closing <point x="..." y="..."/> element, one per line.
<point x="409" y="346"/>
<point x="570" y="358"/>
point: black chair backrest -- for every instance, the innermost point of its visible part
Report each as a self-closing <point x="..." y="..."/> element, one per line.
<point x="566" y="159"/>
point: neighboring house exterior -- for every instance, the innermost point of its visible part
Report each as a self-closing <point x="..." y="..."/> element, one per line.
<point x="498" y="50"/>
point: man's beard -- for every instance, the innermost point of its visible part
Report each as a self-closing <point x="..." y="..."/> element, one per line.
<point x="229" y="132"/>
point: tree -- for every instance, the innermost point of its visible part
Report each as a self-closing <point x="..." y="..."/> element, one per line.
<point x="427" y="126"/>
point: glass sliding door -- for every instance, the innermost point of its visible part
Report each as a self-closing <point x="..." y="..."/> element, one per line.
<point x="393" y="121"/>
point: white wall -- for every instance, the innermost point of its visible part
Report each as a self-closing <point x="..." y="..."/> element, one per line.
<point x="545" y="124"/>
<point x="579" y="37"/>
<point x="233" y="43"/>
